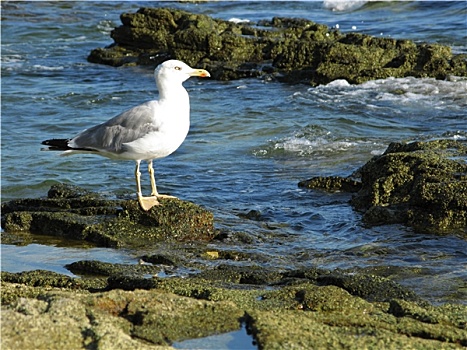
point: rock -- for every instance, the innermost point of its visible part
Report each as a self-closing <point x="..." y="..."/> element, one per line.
<point x="174" y="309"/>
<point x="420" y="184"/>
<point x="99" y="268"/>
<point x="369" y="287"/>
<point x="130" y="320"/>
<point x="291" y="49"/>
<point x="74" y="213"/>
<point x="101" y="276"/>
<point x="50" y="279"/>
<point x="241" y="274"/>
<point x="435" y="315"/>
<point x="332" y="184"/>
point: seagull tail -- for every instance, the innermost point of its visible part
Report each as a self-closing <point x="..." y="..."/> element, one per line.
<point x="57" y="145"/>
<point x="62" y="145"/>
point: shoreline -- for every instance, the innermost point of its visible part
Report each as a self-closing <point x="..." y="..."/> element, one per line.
<point x="129" y="304"/>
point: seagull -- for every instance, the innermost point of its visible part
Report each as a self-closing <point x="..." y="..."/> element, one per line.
<point x="149" y="131"/>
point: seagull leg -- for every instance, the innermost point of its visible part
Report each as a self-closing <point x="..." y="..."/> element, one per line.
<point x="146" y="203"/>
<point x="153" y="183"/>
<point x="153" y="180"/>
<point x="138" y="179"/>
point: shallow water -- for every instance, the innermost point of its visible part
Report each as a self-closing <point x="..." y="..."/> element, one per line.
<point x="250" y="143"/>
<point x="232" y="340"/>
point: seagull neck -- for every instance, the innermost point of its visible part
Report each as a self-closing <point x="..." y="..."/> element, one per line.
<point x="171" y="92"/>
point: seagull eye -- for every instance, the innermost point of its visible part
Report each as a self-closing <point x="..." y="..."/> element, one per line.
<point x="178" y="68"/>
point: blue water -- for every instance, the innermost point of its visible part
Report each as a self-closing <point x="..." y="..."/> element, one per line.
<point x="250" y="143"/>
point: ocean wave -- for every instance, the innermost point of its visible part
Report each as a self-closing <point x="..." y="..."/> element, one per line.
<point x="238" y="20"/>
<point x="7" y="59"/>
<point x="11" y="63"/>
<point x="316" y="141"/>
<point x="409" y="92"/>
<point x="40" y="67"/>
<point x="106" y="26"/>
<point x="303" y="146"/>
<point x="343" y="5"/>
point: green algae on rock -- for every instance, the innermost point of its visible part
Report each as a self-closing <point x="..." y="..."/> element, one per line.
<point x="332" y="184"/>
<point x="292" y="49"/>
<point x="174" y="309"/>
<point x="420" y="184"/>
<point x="74" y="213"/>
<point x="130" y="320"/>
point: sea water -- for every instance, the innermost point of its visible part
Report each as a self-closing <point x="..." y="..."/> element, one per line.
<point x="251" y="140"/>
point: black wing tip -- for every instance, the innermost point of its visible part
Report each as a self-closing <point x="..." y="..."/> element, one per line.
<point x="55" y="141"/>
<point x="57" y="144"/>
<point x="62" y="145"/>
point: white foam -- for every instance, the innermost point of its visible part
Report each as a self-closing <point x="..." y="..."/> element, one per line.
<point x="105" y="26"/>
<point x="74" y="39"/>
<point x="343" y="5"/>
<point x="313" y="140"/>
<point x="459" y="137"/>
<point x="338" y="83"/>
<point x="47" y="68"/>
<point x="429" y="92"/>
<point x="238" y="20"/>
<point x="12" y="58"/>
<point x="304" y="146"/>
<point x="319" y="144"/>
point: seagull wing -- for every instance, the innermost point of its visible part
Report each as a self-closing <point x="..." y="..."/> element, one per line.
<point x="128" y="126"/>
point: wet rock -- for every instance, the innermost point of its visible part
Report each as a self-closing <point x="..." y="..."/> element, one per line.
<point x="100" y="276"/>
<point x="175" y="309"/>
<point x="162" y="318"/>
<point x="164" y="259"/>
<point x="448" y="313"/>
<point x="115" y="319"/>
<point x="99" y="268"/>
<point x="420" y="184"/>
<point x="372" y="288"/>
<point x="75" y="213"/>
<point x="49" y="279"/>
<point x="332" y="184"/>
<point x="423" y="184"/>
<point x="241" y="274"/>
<point x="252" y="215"/>
<point x="358" y="327"/>
<point x="310" y="297"/>
<point x="291" y="49"/>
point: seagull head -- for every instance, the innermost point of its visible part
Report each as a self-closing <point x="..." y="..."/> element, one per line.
<point x="177" y="72"/>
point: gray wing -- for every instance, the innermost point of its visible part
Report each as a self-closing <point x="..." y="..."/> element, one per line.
<point x="125" y="127"/>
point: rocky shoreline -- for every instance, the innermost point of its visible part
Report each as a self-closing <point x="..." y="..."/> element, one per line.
<point x="123" y="307"/>
<point x="132" y="307"/>
<point x="292" y="50"/>
<point x="150" y="305"/>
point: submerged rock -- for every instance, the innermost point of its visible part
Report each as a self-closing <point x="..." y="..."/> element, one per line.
<point x="420" y="184"/>
<point x="75" y="213"/>
<point x="292" y="49"/>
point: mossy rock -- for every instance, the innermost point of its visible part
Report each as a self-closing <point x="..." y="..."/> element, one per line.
<point x="420" y="184"/>
<point x="75" y="213"/>
<point x="291" y="49"/>
<point x="293" y="309"/>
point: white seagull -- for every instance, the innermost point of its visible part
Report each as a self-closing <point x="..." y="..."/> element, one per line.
<point x="149" y="131"/>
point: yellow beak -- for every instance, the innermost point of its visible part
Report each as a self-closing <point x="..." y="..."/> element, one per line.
<point x="200" y="73"/>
